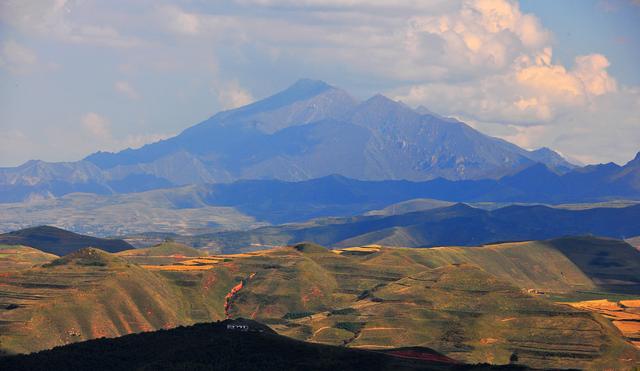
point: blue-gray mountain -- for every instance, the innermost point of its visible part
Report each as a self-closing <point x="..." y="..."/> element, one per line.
<point x="307" y="131"/>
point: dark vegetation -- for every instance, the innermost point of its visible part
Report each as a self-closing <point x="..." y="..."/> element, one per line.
<point x="214" y="346"/>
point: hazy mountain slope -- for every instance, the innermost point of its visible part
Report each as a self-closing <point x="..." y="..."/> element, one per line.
<point x="455" y="225"/>
<point x="251" y="203"/>
<point x="309" y="130"/>
<point x="408" y="145"/>
<point x="177" y="210"/>
<point x="59" y="241"/>
<point x="416" y="204"/>
<point x="299" y="133"/>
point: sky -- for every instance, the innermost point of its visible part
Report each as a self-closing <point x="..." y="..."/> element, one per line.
<point x="87" y="75"/>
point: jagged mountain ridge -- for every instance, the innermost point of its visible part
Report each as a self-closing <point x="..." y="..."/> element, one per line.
<point x="307" y="131"/>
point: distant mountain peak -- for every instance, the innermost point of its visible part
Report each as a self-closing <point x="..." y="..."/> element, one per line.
<point x="379" y="103"/>
<point x="550" y="157"/>
<point x="301" y="90"/>
<point x="308" y="130"/>
<point x="545" y="150"/>
<point x="382" y="99"/>
<point x="306" y="84"/>
<point x="635" y="161"/>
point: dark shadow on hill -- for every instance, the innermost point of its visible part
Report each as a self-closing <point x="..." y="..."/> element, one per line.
<point x="227" y="345"/>
<point x="59" y="241"/>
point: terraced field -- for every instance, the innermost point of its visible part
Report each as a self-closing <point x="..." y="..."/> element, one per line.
<point x="484" y="304"/>
<point x="624" y="314"/>
<point x="85" y="295"/>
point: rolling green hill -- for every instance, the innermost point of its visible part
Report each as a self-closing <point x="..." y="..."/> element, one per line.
<point x="479" y="304"/>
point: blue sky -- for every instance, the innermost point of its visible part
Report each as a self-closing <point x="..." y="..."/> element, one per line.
<point x="81" y="76"/>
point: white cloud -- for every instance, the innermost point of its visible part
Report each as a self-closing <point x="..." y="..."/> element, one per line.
<point x="232" y="95"/>
<point x="180" y="21"/>
<point x="525" y="136"/>
<point x="533" y="91"/>
<point x="59" y="19"/>
<point x="480" y="36"/>
<point x="97" y="135"/>
<point x="17" y="58"/>
<point x="125" y="88"/>
<point x="96" y="125"/>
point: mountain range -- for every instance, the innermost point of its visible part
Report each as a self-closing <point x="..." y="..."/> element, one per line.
<point x="307" y="131"/>
<point x="247" y="204"/>
<point x="457" y="225"/>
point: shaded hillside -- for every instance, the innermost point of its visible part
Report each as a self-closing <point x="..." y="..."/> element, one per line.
<point x="473" y="304"/>
<point x="309" y="130"/>
<point x="455" y="225"/>
<point x="278" y="201"/>
<point x="215" y="347"/>
<point x="59" y="241"/>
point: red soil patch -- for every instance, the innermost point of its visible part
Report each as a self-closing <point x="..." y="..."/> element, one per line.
<point x="234" y="290"/>
<point x="314" y="292"/>
<point x="208" y="281"/>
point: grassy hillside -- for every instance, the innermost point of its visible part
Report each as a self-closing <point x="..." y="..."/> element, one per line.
<point x="162" y="253"/>
<point x="13" y="258"/>
<point x="481" y="304"/>
<point x="60" y="242"/>
<point x="84" y="295"/>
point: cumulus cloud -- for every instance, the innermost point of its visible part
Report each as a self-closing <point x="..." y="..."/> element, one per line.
<point x="481" y="35"/>
<point x="533" y="91"/>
